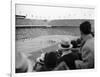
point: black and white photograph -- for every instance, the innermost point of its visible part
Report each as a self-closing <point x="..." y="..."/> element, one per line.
<point x="53" y="38"/>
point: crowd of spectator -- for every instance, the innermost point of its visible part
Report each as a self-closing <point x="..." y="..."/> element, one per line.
<point x="76" y="54"/>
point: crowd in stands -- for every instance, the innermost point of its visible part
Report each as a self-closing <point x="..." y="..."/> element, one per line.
<point x="76" y="54"/>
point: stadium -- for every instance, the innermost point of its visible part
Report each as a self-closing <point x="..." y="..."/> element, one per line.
<point x="35" y="36"/>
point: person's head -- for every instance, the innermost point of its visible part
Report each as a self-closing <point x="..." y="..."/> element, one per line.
<point x="85" y="28"/>
<point x="50" y="59"/>
<point x="65" y="44"/>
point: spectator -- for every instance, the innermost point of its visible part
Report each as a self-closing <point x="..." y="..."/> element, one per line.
<point x="69" y="59"/>
<point x="68" y="56"/>
<point x="22" y="64"/>
<point x="50" y="60"/>
<point x="50" y="63"/>
<point x="87" y="48"/>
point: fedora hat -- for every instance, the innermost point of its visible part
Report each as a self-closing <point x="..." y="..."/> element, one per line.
<point x="65" y="45"/>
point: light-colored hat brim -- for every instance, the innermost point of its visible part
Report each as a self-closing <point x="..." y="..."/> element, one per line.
<point x="60" y="47"/>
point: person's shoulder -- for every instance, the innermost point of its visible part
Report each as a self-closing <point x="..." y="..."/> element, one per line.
<point x="89" y="44"/>
<point x="91" y="40"/>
